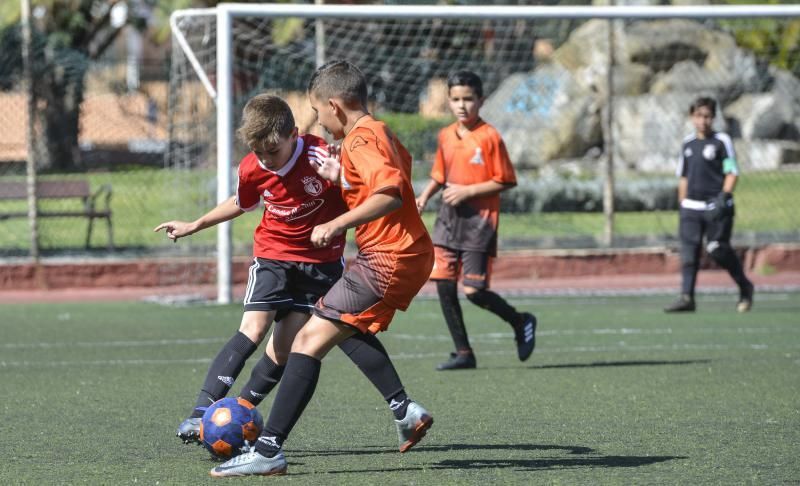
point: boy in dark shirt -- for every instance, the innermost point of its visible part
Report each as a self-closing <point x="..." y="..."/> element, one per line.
<point x="708" y="173"/>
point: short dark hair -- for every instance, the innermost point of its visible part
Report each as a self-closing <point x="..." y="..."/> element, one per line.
<point x="265" y="120"/>
<point x="466" y="78"/>
<point x="339" y="79"/>
<point x="703" y="101"/>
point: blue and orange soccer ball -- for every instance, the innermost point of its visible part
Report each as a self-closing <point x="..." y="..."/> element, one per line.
<point x="227" y="424"/>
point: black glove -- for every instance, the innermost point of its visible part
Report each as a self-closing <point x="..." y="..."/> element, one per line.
<point x="723" y="206"/>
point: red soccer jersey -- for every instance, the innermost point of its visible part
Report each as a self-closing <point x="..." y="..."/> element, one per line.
<point x="295" y="199"/>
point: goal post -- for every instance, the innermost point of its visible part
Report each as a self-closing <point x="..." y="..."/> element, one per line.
<point x="499" y="41"/>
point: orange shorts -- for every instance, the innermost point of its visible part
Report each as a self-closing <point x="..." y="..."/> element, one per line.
<point x="476" y="266"/>
<point x="373" y="288"/>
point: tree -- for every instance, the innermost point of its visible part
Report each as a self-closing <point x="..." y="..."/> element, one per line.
<point x="66" y="36"/>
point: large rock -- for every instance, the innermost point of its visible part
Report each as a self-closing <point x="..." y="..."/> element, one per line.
<point x="650" y="129"/>
<point x="544" y="115"/>
<point x="755" y="155"/>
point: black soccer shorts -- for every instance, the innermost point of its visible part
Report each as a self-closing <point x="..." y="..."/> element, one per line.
<point x="289" y="286"/>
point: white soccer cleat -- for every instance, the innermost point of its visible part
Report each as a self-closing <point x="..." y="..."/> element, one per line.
<point x="251" y="463"/>
<point x="413" y="427"/>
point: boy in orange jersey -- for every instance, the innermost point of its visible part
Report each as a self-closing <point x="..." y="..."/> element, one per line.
<point x="473" y="167"/>
<point x="394" y="259"/>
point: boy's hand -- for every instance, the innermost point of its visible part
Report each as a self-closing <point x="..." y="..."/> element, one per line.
<point x="323" y="234"/>
<point x="421" y="203"/>
<point x="455" y="194"/>
<point x="328" y="167"/>
<point x="176" y="229"/>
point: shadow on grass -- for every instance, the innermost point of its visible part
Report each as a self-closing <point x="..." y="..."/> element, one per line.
<point x="554" y="463"/>
<point x="601" y="364"/>
<point x="443" y="448"/>
<point x="522" y="465"/>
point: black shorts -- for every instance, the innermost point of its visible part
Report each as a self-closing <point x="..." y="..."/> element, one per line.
<point x="289" y="286"/>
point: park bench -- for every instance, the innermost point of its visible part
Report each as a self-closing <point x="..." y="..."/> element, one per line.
<point x="96" y="204"/>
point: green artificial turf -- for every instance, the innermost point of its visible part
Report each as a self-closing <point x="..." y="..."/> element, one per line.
<point x="617" y="392"/>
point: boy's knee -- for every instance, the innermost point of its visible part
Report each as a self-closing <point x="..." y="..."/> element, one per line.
<point x="720" y="251"/>
<point x="254" y="327"/>
<point x="476" y="296"/>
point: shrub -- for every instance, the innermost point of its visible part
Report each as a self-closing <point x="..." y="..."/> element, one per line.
<point x="417" y="133"/>
<point x="557" y="194"/>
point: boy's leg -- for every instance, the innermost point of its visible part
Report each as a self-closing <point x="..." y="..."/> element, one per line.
<point x="445" y="273"/>
<point x="368" y="353"/>
<point x="719" y="247"/>
<point x="268" y="371"/>
<point x="691" y="236"/>
<point x="225" y="368"/>
<point x="264" y="296"/>
<point x="477" y="272"/>
<point x="297" y="387"/>
<point x="228" y="363"/>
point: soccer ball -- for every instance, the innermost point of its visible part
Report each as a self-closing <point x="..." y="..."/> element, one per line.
<point x="227" y="424"/>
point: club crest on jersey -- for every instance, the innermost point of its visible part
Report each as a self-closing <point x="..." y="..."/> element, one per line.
<point x="709" y="152"/>
<point x="312" y="185"/>
<point x="477" y="158"/>
<point x="357" y="142"/>
<point x="267" y="193"/>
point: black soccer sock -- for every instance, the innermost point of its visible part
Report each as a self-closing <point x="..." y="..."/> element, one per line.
<point x="297" y="387"/>
<point x="265" y="375"/>
<point x="727" y="259"/>
<point x="688" y="279"/>
<point x="451" y="308"/>
<point x="223" y="371"/>
<point x="368" y="353"/>
<point x="486" y="299"/>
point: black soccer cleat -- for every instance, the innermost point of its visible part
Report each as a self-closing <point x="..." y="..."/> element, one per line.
<point x="525" y="336"/>
<point x="458" y="361"/>
<point x="685" y="303"/>
<point x="189" y="430"/>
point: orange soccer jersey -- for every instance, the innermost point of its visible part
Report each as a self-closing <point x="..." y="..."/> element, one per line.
<point x="478" y="156"/>
<point x="397" y="246"/>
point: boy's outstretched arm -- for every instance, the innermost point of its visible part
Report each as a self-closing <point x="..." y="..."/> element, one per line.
<point x="377" y="205"/>
<point x="225" y="211"/>
<point x="455" y="194"/>
<point x="427" y="193"/>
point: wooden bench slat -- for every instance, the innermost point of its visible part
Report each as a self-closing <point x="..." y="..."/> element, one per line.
<point x="45" y="189"/>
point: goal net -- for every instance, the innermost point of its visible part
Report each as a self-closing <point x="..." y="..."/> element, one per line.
<point x="590" y="101"/>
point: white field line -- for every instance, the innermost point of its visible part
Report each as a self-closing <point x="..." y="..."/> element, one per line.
<point x="485" y="337"/>
<point x="614" y="348"/>
<point x="598" y="298"/>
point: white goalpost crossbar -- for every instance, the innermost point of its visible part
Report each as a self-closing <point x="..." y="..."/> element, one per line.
<point x="223" y="91"/>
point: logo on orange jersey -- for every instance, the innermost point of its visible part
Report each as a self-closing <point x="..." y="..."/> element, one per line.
<point x="357" y="142"/>
<point x="312" y="185"/>
<point x="477" y="158"/>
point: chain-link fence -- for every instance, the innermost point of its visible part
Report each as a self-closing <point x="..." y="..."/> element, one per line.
<point x="150" y="152"/>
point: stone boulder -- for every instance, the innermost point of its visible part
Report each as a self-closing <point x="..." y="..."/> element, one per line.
<point x="544" y="115"/>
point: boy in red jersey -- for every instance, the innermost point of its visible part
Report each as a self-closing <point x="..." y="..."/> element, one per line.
<point x="395" y="257"/>
<point x="289" y="273"/>
<point x="473" y="167"/>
